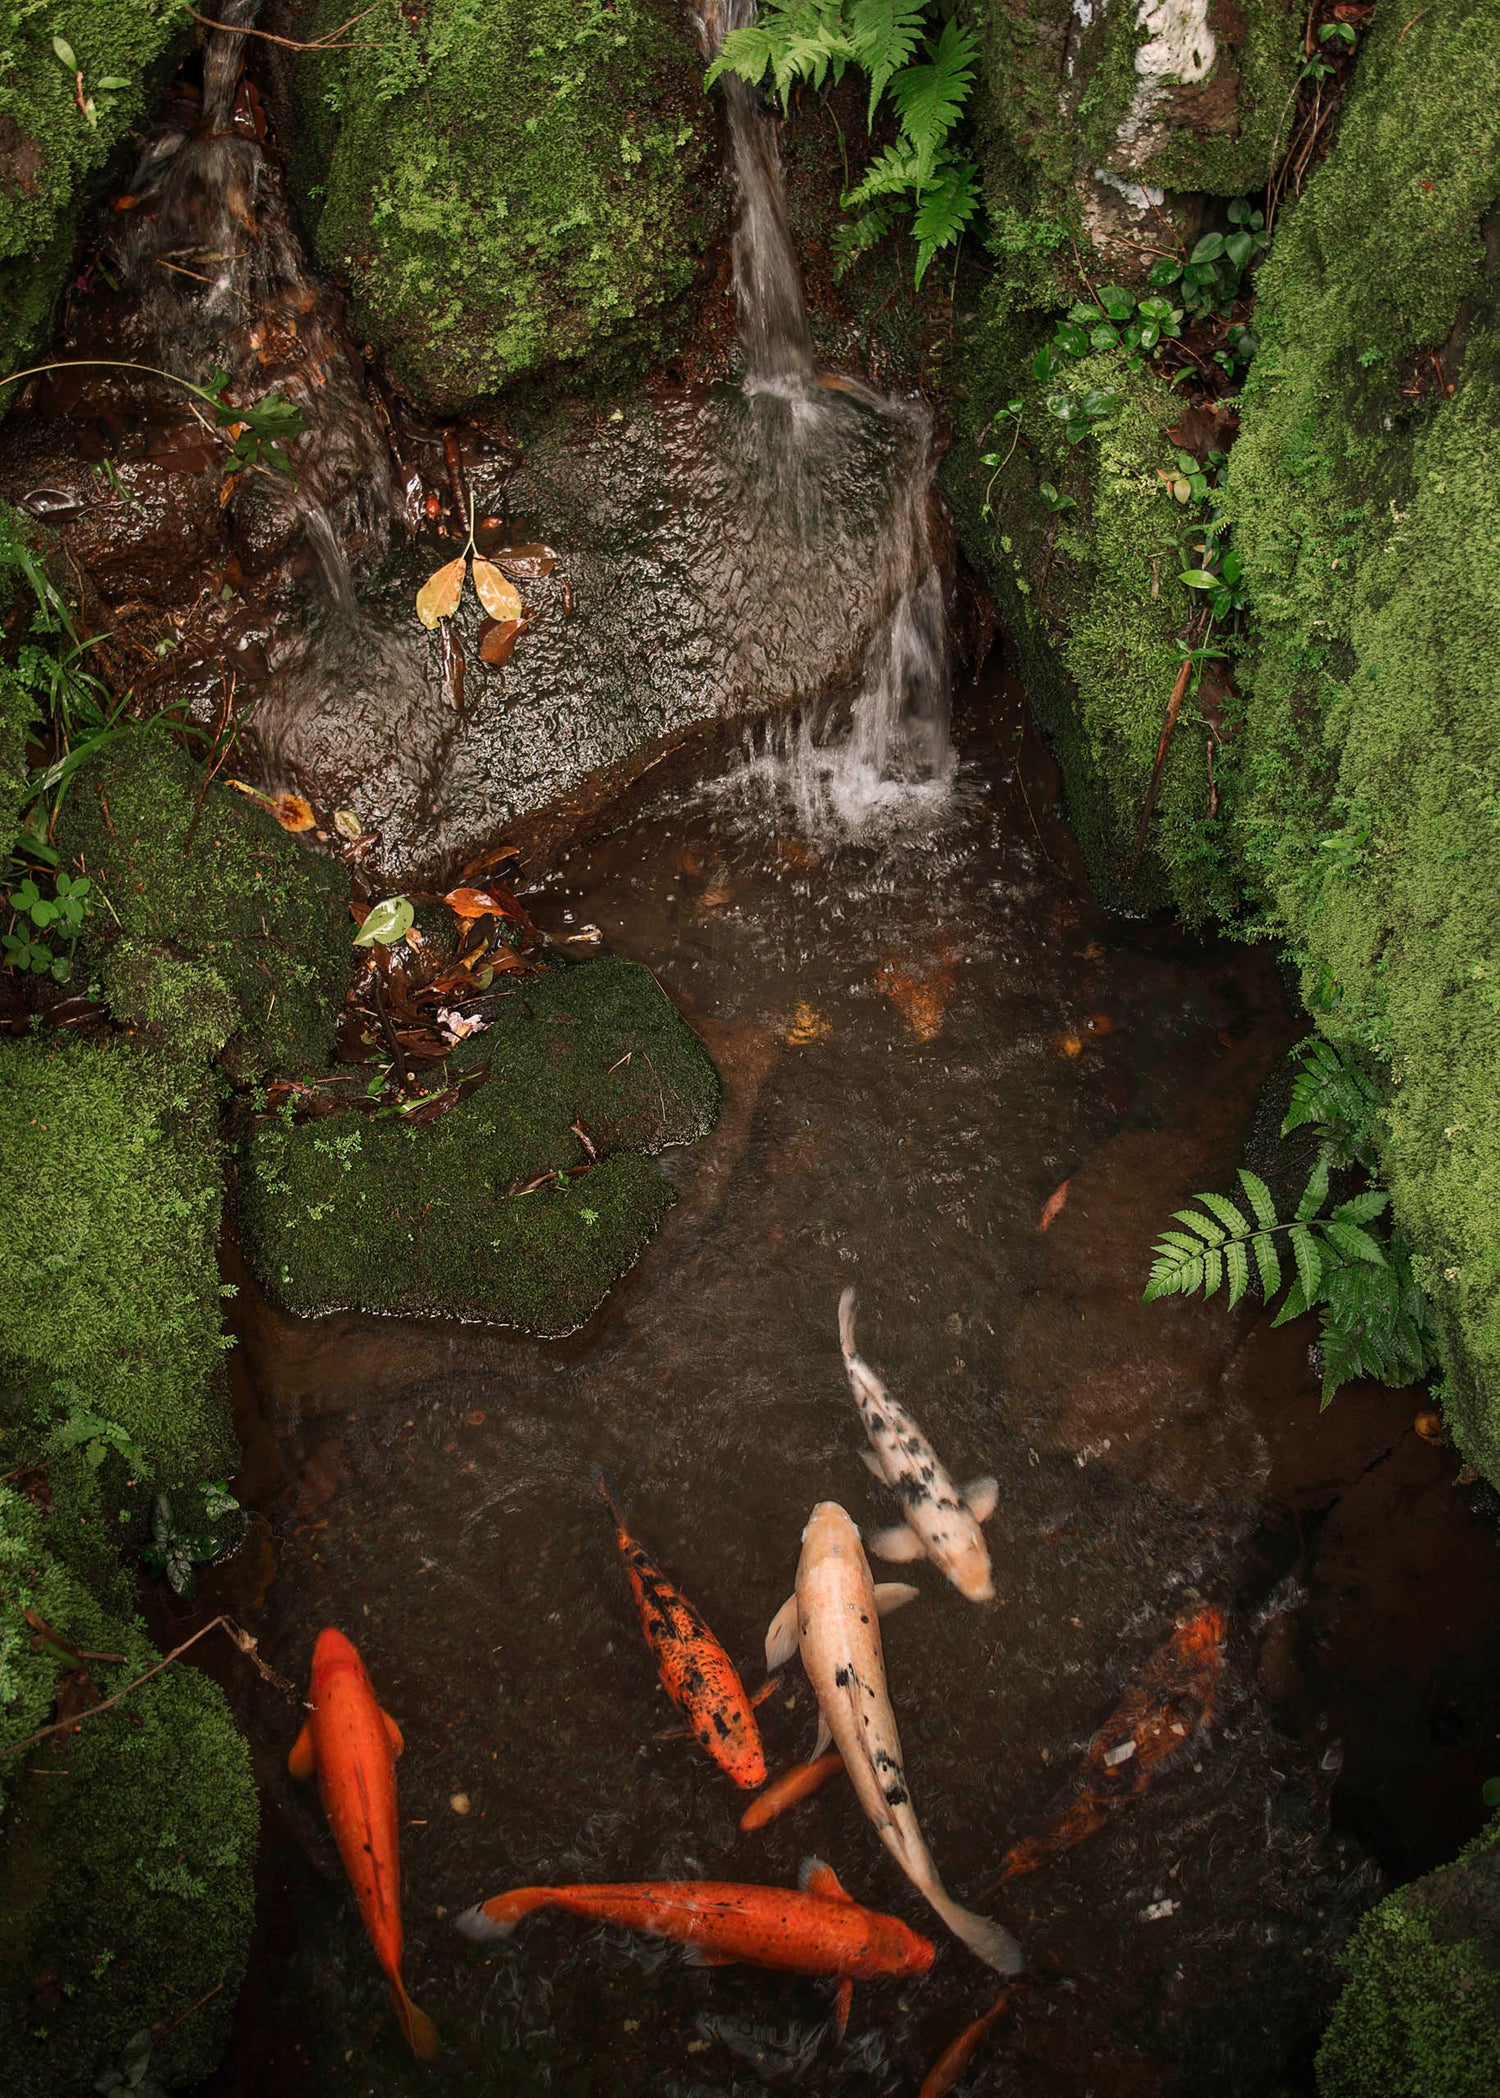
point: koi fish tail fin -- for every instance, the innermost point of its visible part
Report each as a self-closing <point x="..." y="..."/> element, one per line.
<point x="987" y="1940"/>
<point x="609" y="1494"/>
<point x="498" y="1917"/>
<point x="846" y="1324"/>
<point x="420" y="2032"/>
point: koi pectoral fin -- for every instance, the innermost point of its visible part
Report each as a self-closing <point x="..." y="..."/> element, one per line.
<point x="771" y="1684"/>
<point x="825" y="1735"/>
<point x="781" y="1636"/>
<point x="898" y="1544"/>
<point x="843" y="2003"/>
<point x="814" y="1877"/>
<point x="982" y="1497"/>
<point x="303" y="1760"/>
<point x="890" y="1595"/>
<point x="392" y="1733"/>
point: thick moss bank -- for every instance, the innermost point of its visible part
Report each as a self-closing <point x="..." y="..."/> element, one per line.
<point x="1420" y="2017"/>
<point x="52" y="154"/>
<point x="505" y="188"/>
<point x="350" y="1211"/>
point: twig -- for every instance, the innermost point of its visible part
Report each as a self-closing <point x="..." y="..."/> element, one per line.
<point x="226" y="721"/>
<point x="287" y="43"/>
<point x="241" y="1639"/>
<point x="1174" y="708"/>
<point x="1401" y="39"/>
<point x="159" y="2032"/>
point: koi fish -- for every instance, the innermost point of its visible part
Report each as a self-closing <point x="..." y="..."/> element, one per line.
<point x="1164" y="1705"/>
<point x="834" y="1616"/>
<point x="353" y="1745"/>
<point x="941" y="1523"/>
<point x="958" y="2054"/>
<point x="697" y="1673"/>
<point x="798" y="1783"/>
<point x="815" y="1928"/>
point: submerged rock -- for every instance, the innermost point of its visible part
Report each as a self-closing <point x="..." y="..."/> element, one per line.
<point x="378" y="1215"/>
<point x="507" y="188"/>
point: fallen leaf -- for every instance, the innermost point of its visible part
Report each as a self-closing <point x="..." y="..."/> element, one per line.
<point x="807" y="1024"/>
<point x="500" y="598"/>
<point x="439" y="595"/>
<point x="495" y="857"/>
<point x="919" y="993"/>
<point x="347" y="824"/>
<point x="1053" y="1207"/>
<point x="1429" y="1426"/>
<point x="1069" y="1045"/>
<point x="525" y="561"/>
<point x="483" y="903"/>
<point x="497" y="641"/>
<point x="387" y="921"/>
<point x="292" y="811"/>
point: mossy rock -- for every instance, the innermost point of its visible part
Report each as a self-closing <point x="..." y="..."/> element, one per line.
<point x="509" y="187"/>
<point x="1365" y="498"/>
<point x="126" y="1863"/>
<point x="51" y="157"/>
<point x="1090" y="596"/>
<point x="110" y="1194"/>
<point x="1420" y="2016"/>
<point x="378" y="1215"/>
<point x="219" y="934"/>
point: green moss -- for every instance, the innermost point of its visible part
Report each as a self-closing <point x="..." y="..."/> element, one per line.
<point x="1091" y="598"/>
<point x="1365" y="805"/>
<point x="51" y="156"/>
<point x="109" y="1208"/>
<point x="383" y="1216"/>
<point x="218" y="931"/>
<point x="125" y="1877"/>
<point x="1420" y="2016"/>
<point x="509" y="187"/>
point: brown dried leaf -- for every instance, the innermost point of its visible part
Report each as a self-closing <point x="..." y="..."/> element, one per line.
<point x="292" y="811"/>
<point x="482" y="903"/>
<point x="500" y="598"/>
<point x="497" y="641"/>
<point x="526" y="561"/>
<point x="496" y="856"/>
<point x="439" y="595"/>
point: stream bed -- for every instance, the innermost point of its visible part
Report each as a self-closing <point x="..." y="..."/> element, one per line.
<point x="923" y="1032"/>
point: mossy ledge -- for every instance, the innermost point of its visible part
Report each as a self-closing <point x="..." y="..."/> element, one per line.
<point x="375" y="1215"/>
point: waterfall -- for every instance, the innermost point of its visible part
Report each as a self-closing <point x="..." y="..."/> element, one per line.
<point x="894" y="758"/>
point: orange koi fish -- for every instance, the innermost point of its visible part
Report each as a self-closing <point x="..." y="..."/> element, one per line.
<point x="958" y="2054"/>
<point x="353" y="1745"/>
<point x="1164" y="1705"/>
<point x="697" y="1673"/>
<point x="798" y="1783"/>
<point x="814" y="1929"/>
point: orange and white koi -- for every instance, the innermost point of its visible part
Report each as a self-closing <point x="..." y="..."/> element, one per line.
<point x="695" y="1670"/>
<point x="941" y="1523"/>
<point x="352" y="1745"/>
<point x="1164" y="1705"/>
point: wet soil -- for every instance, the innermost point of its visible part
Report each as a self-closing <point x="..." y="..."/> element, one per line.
<point x="922" y="1040"/>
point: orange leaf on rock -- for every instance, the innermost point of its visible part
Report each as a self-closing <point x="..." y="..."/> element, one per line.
<point x="497" y="639"/>
<point x="530" y="560"/>
<point x="500" y="598"/>
<point x="292" y="811"/>
<point x="439" y="595"/>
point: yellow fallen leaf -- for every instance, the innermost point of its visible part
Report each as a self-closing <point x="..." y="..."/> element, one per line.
<point x="807" y="1024"/>
<point x="292" y="811"/>
<point x="439" y="595"/>
<point x="500" y="598"/>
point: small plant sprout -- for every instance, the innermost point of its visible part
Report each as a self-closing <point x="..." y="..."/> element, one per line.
<point x="257" y="431"/>
<point x="84" y="102"/>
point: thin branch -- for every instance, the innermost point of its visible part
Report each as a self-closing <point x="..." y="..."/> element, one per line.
<point x="322" y="43"/>
<point x="1169" y="723"/>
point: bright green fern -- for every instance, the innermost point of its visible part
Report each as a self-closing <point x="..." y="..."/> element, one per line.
<point x="809" y="40"/>
<point x="1375" y="1317"/>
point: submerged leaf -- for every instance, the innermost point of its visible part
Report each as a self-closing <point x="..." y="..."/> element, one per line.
<point x="387" y="921"/>
<point x="497" y="593"/>
<point x="497" y="641"/>
<point x="439" y="595"/>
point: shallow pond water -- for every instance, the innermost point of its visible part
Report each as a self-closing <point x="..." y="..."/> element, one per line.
<point x="922" y="1038"/>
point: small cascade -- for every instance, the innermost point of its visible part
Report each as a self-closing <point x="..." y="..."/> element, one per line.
<point x="893" y="759"/>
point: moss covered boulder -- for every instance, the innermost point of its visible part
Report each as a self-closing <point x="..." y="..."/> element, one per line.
<point x="110" y="1192"/>
<point x="507" y="187"/>
<point x="1365" y="498"/>
<point x="126" y="1870"/>
<point x="53" y="152"/>
<point x="375" y="1214"/>
<point x="1420" y="2016"/>
<point x="218" y="934"/>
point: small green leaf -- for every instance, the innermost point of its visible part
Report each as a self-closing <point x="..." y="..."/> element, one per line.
<point x="1209" y="249"/>
<point x="1315" y="1194"/>
<point x="388" y="922"/>
<point x="1309" y="1261"/>
<point x="1268" y="1260"/>
<point x="1230" y="1217"/>
<point x="1355" y="1243"/>
<point x="1239" y="1270"/>
<point x="1260" y="1198"/>
<point x="1198" y="578"/>
<point x="64" y="51"/>
<point x="1200" y="1224"/>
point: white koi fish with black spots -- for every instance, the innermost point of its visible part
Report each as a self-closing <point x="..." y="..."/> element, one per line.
<point x="834" y="1617"/>
<point x="941" y="1523"/>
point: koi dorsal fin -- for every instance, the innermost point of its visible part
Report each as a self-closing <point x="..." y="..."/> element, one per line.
<point x="818" y="1878"/>
<point x="392" y="1733"/>
<point x="303" y="1760"/>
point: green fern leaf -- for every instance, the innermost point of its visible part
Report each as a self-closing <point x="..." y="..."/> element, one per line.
<point x="1293" y="1304"/>
<point x="1204" y="1226"/>
<point x="1260" y="1198"/>
<point x="855" y="237"/>
<point x="1268" y="1260"/>
<point x="929" y="98"/>
<point x="884" y="35"/>
<point x="1362" y="1209"/>
<point x="1355" y="1243"/>
<point x="1213" y="1270"/>
<point x="1237" y="1262"/>
<point x="947" y="206"/>
<point x="1309" y="1261"/>
<point x="890" y="174"/>
<point x="1230" y="1217"/>
<point x="1315" y="1194"/>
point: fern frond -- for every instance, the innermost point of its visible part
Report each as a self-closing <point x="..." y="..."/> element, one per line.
<point x="1354" y="1243"/>
<point x="1309" y="1260"/>
<point x="1230" y="1217"/>
<point x="884" y="34"/>
<point x="1268" y="1261"/>
<point x="1260" y="1198"/>
<point x="891" y="173"/>
<point x="948" y="203"/>
<point x="1332" y="1092"/>
<point x="929" y="98"/>
<point x="795" y="39"/>
<point x="855" y="237"/>
<point x="1315" y="1194"/>
<point x="1237" y="1263"/>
